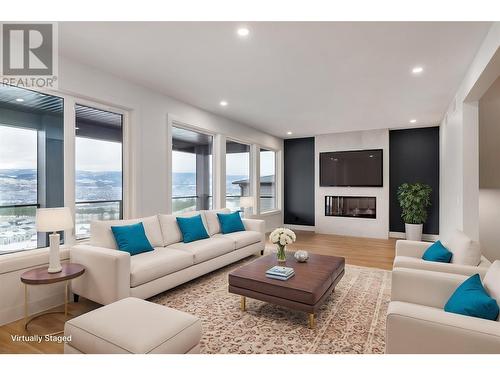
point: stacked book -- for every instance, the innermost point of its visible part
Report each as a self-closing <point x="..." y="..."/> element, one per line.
<point x="280" y="273"/>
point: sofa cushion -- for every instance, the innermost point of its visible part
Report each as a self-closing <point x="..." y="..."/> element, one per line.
<point x="207" y="249"/>
<point x="242" y="239"/>
<point x="437" y="253"/>
<point x="230" y="223"/>
<point x="471" y="299"/>
<point x="192" y="228"/>
<point x="170" y="229"/>
<point x="212" y="220"/>
<point x="102" y="236"/>
<point x="131" y="238"/>
<point x="152" y="265"/>
<point x="132" y="325"/>
<point x="465" y="251"/>
<point x="492" y="282"/>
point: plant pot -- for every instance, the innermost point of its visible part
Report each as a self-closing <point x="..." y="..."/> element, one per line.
<point x="414" y="232"/>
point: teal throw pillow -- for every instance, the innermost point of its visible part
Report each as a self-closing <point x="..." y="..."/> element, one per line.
<point x="132" y="238"/>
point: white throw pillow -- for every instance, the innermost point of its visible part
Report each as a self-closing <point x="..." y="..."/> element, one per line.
<point x="465" y="251"/>
<point x="491" y="282"/>
<point x="102" y="236"/>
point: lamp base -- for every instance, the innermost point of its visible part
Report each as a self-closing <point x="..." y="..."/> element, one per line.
<point x="54" y="259"/>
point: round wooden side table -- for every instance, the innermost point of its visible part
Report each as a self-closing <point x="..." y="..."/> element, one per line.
<point x="41" y="276"/>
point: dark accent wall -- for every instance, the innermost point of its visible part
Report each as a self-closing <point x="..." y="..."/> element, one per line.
<point x="299" y="181"/>
<point x="414" y="157"/>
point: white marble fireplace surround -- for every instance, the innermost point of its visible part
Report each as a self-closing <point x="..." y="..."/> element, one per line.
<point x="349" y="226"/>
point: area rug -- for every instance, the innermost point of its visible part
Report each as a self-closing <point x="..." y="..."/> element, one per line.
<point x="352" y="320"/>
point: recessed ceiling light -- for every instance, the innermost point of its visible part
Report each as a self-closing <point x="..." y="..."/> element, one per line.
<point x="223" y="103"/>
<point x="413" y="121"/>
<point x="289" y="133"/>
<point x="20" y="100"/>
<point x="243" y="31"/>
<point x="417" y="70"/>
<point x="77" y="128"/>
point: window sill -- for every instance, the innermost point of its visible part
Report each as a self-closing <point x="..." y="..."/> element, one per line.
<point x="28" y="259"/>
<point x="270" y="213"/>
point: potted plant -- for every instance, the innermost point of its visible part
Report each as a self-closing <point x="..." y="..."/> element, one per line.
<point x="414" y="200"/>
<point x="282" y="237"/>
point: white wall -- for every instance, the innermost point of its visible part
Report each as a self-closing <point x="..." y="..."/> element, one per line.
<point x="459" y="178"/>
<point x="489" y="172"/>
<point x="376" y="228"/>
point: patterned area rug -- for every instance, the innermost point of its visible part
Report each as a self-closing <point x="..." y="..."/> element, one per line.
<point x="351" y="321"/>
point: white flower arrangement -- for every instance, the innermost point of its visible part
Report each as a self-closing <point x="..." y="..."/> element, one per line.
<point x="282" y="236"/>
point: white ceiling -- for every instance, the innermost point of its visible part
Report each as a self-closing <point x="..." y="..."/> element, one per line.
<point x="308" y="78"/>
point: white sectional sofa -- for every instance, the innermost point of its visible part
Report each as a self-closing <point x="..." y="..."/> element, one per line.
<point x="112" y="274"/>
<point x="409" y="255"/>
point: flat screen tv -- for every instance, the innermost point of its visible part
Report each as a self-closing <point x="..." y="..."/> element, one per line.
<point x="351" y="168"/>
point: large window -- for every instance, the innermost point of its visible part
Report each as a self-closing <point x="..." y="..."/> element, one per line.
<point x="191" y="170"/>
<point x="31" y="164"/>
<point x="98" y="164"/>
<point x="237" y="173"/>
<point x="267" y="180"/>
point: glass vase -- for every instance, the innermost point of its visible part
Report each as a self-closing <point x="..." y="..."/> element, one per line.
<point x="281" y="254"/>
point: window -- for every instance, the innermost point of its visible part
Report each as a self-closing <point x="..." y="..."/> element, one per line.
<point x="31" y="164"/>
<point x="191" y="170"/>
<point x="267" y="180"/>
<point x="98" y="167"/>
<point x="237" y="173"/>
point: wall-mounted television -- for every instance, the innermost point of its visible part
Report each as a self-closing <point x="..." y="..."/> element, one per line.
<point x="351" y="168"/>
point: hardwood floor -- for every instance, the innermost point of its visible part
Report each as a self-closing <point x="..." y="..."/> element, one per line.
<point x="358" y="251"/>
<point x="367" y="252"/>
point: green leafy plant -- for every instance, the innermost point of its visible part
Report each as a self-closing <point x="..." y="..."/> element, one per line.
<point x="414" y="200"/>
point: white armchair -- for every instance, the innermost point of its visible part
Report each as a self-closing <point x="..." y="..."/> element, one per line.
<point x="417" y="323"/>
<point x="409" y="255"/>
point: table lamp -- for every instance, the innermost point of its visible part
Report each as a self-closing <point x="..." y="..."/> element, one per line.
<point x="245" y="203"/>
<point x="54" y="220"/>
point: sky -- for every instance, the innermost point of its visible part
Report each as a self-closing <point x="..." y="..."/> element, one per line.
<point x="17" y="148"/>
<point x="98" y="156"/>
<point x="236" y="164"/>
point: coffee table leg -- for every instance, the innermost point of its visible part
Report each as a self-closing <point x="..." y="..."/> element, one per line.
<point x="243" y="303"/>
<point x="312" y="320"/>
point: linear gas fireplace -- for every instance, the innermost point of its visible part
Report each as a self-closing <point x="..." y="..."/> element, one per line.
<point x="363" y="207"/>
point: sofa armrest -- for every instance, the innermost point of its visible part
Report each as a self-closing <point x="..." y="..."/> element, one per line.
<point x="257" y="226"/>
<point x="107" y="273"/>
<point x="415" y="329"/>
<point x="411" y="248"/>
<point x="423" y="287"/>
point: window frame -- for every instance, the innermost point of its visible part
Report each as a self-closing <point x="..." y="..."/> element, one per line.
<point x="251" y="165"/>
<point x="124" y="211"/>
<point x="277" y="178"/>
<point x="175" y="122"/>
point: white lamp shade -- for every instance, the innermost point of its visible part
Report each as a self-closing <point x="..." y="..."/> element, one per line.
<point x="53" y="219"/>
<point x="246" y="202"/>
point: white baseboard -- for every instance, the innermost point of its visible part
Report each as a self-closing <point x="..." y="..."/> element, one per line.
<point x="425" y="237"/>
<point x="310" y="228"/>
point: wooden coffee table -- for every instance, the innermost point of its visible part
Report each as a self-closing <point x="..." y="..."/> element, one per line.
<point x="313" y="282"/>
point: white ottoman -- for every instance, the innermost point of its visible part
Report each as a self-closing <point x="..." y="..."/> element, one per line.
<point x="133" y="325"/>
